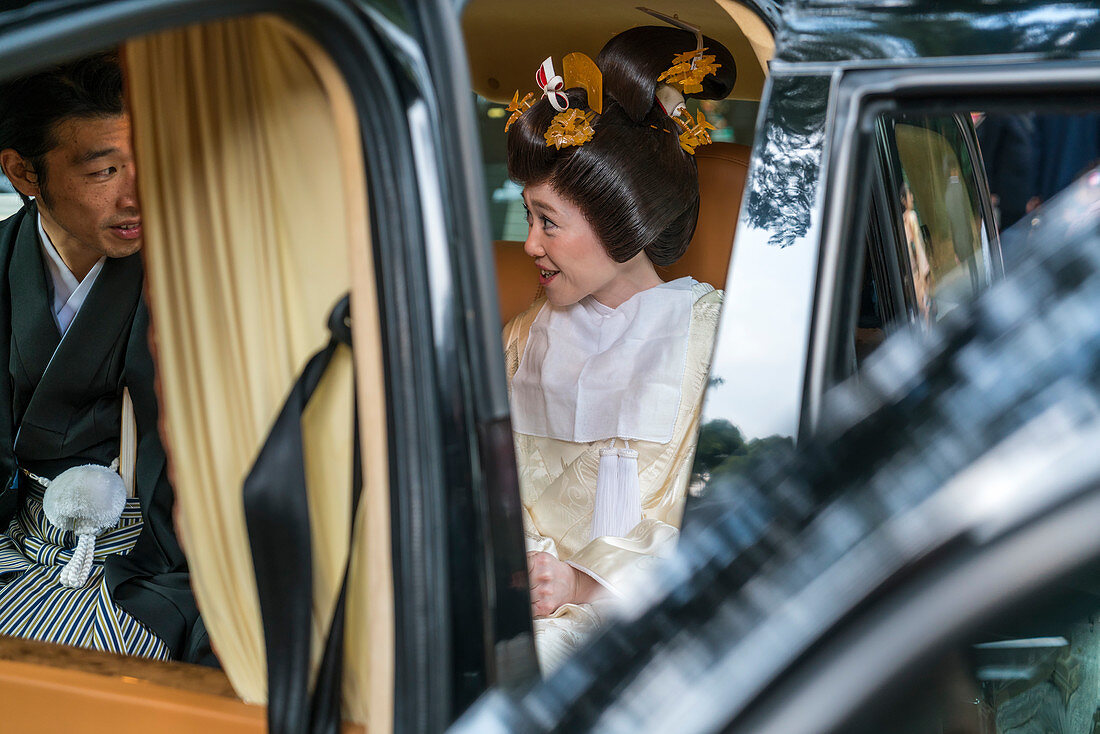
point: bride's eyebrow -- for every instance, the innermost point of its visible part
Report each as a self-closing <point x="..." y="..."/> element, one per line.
<point x="542" y="206"/>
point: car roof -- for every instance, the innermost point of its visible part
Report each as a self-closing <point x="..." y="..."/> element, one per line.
<point x="843" y="30"/>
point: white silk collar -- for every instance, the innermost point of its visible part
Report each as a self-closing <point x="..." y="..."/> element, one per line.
<point x="69" y="293"/>
<point x="591" y="373"/>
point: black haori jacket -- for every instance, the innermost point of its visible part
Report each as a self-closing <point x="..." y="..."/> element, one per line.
<point x="61" y="406"/>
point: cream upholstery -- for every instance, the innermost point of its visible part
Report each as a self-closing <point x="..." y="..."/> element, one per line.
<point x="722" y="172"/>
<point x="243" y="263"/>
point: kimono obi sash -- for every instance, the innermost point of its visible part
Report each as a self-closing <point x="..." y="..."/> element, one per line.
<point x="36" y="541"/>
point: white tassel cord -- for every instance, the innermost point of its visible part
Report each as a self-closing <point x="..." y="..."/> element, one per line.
<point x="618" y="506"/>
<point x="76" y="572"/>
<point x="85" y="500"/>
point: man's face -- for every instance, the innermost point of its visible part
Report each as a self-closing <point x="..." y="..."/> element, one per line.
<point x="89" y="201"/>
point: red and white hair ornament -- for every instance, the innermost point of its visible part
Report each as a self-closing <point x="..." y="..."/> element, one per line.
<point x="670" y="99"/>
<point x="551" y="85"/>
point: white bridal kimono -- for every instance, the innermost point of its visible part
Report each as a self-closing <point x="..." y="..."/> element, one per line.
<point x="661" y="400"/>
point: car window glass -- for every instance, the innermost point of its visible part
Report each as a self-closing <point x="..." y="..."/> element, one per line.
<point x="946" y="243"/>
<point x="1032" y="671"/>
<point x="9" y="199"/>
<point x="928" y="247"/>
<point x="965" y="190"/>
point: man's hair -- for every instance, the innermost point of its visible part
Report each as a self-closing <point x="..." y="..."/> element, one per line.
<point x="32" y="106"/>
<point x="634" y="184"/>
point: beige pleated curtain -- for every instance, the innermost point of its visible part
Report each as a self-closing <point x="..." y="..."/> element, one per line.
<point x="254" y="207"/>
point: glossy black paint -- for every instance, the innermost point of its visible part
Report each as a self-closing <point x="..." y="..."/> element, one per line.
<point x="842" y="31"/>
<point x="781" y="199"/>
<point x="485" y="523"/>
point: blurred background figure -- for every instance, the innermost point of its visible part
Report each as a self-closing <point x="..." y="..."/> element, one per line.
<point x="1008" y="144"/>
<point x="918" y="257"/>
<point x="1066" y="146"/>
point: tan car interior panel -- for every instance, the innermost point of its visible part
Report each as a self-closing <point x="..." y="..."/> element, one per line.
<point x="81" y="687"/>
<point x="506" y="41"/>
<point x="90" y="691"/>
<point x="723" y="168"/>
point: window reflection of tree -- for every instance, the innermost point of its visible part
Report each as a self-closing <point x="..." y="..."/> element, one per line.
<point x="722" y="449"/>
<point x="783" y="187"/>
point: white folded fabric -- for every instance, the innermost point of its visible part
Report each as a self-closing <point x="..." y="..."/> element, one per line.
<point x="590" y="372"/>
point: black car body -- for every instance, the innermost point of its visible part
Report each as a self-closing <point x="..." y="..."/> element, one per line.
<point x="820" y="228"/>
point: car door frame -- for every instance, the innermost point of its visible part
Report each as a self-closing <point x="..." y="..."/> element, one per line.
<point x="866" y="89"/>
<point x="817" y="692"/>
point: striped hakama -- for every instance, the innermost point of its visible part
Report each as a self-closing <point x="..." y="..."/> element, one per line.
<point x="34" y="604"/>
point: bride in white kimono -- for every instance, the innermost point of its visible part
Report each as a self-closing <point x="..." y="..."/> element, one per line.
<point x="607" y="369"/>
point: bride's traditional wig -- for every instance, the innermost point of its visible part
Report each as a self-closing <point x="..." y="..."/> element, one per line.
<point x="633" y="182"/>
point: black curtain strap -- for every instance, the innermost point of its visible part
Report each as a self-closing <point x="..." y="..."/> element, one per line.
<point x="277" y="516"/>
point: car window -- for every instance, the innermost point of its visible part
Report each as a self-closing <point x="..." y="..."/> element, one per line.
<point x="721" y="169"/>
<point x="928" y="246"/>
<point x="9" y="199"/>
<point x="216" y="400"/>
<point x="962" y="194"/>
<point x="1033" y="670"/>
<point x="936" y="200"/>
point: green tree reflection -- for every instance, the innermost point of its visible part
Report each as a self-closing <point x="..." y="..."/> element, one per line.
<point x="722" y="448"/>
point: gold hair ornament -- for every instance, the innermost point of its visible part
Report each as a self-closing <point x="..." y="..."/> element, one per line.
<point x="572" y="127"/>
<point x="581" y="71"/>
<point x="693" y="132"/>
<point x="689" y="69"/>
<point x="569" y="126"/>
<point x="518" y="106"/>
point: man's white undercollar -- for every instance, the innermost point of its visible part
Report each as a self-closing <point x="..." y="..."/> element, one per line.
<point x="68" y="292"/>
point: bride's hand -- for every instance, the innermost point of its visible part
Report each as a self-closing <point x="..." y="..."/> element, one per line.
<point x="554" y="583"/>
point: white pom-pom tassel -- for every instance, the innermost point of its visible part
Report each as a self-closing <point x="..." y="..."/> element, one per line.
<point x="85" y="500"/>
<point x="618" y="496"/>
<point x="76" y="571"/>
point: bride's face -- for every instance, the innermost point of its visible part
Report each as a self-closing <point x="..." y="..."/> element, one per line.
<point x="572" y="261"/>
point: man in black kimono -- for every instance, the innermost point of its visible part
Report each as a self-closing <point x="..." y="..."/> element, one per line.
<point x="73" y="336"/>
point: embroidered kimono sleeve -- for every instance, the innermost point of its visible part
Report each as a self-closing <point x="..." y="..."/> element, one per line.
<point x="534" y="542"/>
<point x="614" y="561"/>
